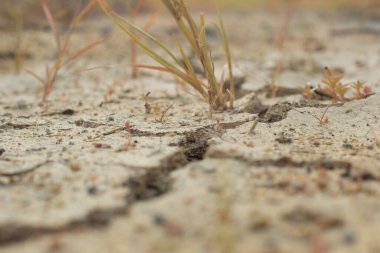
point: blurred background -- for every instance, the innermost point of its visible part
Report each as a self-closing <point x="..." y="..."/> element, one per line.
<point x="26" y="36"/>
<point x="13" y="12"/>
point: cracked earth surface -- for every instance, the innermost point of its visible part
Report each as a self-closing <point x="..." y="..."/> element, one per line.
<point x="74" y="179"/>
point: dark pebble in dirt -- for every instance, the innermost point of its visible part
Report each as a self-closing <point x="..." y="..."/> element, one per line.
<point x="2" y="151"/>
<point x="284" y="140"/>
<point x="159" y="219"/>
<point x="347" y="146"/>
<point x="68" y="112"/>
<point x="276" y="113"/>
<point x="92" y="190"/>
<point x="349" y="237"/>
<point x="21" y="105"/>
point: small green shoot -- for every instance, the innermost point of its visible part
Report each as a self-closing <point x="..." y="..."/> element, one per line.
<point x="210" y="89"/>
<point x="62" y="59"/>
<point x="333" y="88"/>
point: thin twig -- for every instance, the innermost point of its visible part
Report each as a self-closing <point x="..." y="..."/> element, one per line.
<point x="253" y="127"/>
<point x="164" y="113"/>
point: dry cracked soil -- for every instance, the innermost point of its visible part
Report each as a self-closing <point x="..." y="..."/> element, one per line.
<point x="266" y="177"/>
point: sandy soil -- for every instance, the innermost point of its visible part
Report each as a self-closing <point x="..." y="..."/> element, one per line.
<point x="266" y="177"/>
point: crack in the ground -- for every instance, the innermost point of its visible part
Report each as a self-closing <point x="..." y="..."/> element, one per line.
<point x="148" y="183"/>
<point x="345" y="167"/>
<point x="11" y="233"/>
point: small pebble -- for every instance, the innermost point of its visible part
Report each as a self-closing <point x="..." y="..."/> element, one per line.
<point x="21" y="105"/>
<point x="92" y="190"/>
<point x="159" y="219"/>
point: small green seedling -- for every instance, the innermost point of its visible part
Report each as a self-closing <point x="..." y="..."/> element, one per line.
<point x="333" y="88"/>
<point x="62" y="58"/>
<point x="211" y="90"/>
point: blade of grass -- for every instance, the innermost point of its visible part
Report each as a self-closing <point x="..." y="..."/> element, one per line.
<point x="195" y="83"/>
<point x="227" y="53"/>
<point x="125" y="25"/>
<point x="52" y="23"/>
<point x="80" y="52"/>
<point x="75" y="21"/>
<point x="119" y="21"/>
<point x="37" y="77"/>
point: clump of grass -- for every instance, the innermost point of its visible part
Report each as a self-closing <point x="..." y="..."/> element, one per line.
<point x="62" y="59"/>
<point x="333" y="88"/>
<point x="211" y="89"/>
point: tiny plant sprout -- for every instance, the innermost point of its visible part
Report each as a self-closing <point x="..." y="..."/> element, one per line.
<point x="128" y="136"/>
<point x="361" y="90"/>
<point x="333" y="88"/>
<point x="127" y="126"/>
<point x="323" y="119"/>
<point x="148" y="107"/>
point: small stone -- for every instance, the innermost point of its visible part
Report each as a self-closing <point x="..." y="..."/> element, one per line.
<point x="21" y="105"/>
<point x="349" y="237"/>
<point x="158" y="219"/>
<point x="347" y="146"/>
<point x="250" y="104"/>
<point x="284" y="140"/>
<point x="74" y="166"/>
<point x="92" y="190"/>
